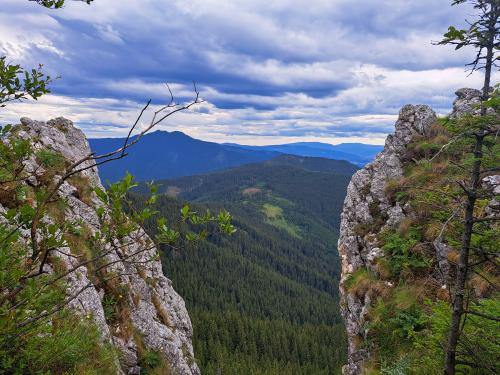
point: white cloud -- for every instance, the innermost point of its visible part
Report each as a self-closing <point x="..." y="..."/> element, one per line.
<point x="264" y="61"/>
<point x="21" y="34"/>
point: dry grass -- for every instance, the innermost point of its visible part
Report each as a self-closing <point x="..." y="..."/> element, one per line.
<point x="161" y="312"/>
<point x="382" y="268"/>
<point x="363" y="282"/>
<point x="119" y="293"/>
<point x="84" y="188"/>
<point x="486" y="283"/>
<point x="480" y="286"/>
<point x="392" y="187"/>
<point x="57" y="211"/>
<point x="432" y="230"/>
<point x="142" y="273"/>
<point x="79" y="243"/>
<point x="427" y="146"/>
<point x="437" y="130"/>
<point x="405" y="225"/>
<point x="46" y="178"/>
<point x="58" y="264"/>
<point x="126" y="326"/>
<point x="443" y="294"/>
<point x="423" y="288"/>
<point x="162" y="368"/>
<point x="8" y="196"/>
<point x="136" y="299"/>
<point x="453" y="256"/>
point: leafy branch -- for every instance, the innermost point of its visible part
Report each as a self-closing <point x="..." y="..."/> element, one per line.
<point x="17" y="84"/>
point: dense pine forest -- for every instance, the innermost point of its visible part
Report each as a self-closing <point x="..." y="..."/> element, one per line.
<point x="265" y="300"/>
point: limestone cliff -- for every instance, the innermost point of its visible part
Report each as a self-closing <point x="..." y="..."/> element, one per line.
<point x="368" y="211"/>
<point x="155" y="317"/>
<point x="365" y="196"/>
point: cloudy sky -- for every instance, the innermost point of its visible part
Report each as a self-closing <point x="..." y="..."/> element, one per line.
<point x="270" y="71"/>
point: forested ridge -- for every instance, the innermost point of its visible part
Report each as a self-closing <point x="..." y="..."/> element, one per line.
<point x="265" y="300"/>
<point x="162" y="154"/>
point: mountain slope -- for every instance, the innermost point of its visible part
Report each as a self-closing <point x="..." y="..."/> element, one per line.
<point x="265" y="301"/>
<point x="161" y="155"/>
<point x="315" y="184"/>
<point x="164" y="154"/>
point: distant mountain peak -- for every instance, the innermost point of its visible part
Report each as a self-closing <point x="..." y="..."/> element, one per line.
<point x="162" y="154"/>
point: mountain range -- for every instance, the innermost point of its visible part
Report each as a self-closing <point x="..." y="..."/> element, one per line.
<point x="161" y="155"/>
<point x="356" y="153"/>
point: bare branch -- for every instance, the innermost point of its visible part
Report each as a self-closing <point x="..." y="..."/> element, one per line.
<point x="105" y="158"/>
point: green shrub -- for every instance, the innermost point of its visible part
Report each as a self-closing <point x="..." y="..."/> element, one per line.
<point x="401" y="196"/>
<point x="149" y="361"/>
<point x="399" y="252"/>
<point x="393" y="324"/>
<point x="109" y="307"/>
<point x="400" y="367"/>
<point x="67" y="344"/>
<point x="480" y="339"/>
<point x="50" y="159"/>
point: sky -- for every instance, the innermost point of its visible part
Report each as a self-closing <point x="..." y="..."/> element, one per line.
<point x="269" y="71"/>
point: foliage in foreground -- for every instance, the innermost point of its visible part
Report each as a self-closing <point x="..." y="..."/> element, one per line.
<point x="38" y="331"/>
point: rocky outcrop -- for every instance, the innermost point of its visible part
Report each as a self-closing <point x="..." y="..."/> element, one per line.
<point x="467" y="101"/>
<point x="366" y="206"/>
<point x="365" y="199"/>
<point x="155" y="317"/>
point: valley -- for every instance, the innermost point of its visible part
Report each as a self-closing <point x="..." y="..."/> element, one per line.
<point x="249" y="188"/>
<point x="265" y="300"/>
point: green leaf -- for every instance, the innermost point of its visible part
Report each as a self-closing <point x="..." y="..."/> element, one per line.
<point x="102" y="195"/>
<point x="185" y="212"/>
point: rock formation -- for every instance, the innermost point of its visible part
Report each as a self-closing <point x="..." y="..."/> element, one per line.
<point x="155" y="315"/>
<point x="365" y="194"/>
<point x="367" y="206"/>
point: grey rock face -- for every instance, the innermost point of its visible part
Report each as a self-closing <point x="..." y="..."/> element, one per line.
<point x="467" y="102"/>
<point x="492" y="183"/>
<point x="365" y="194"/>
<point x="156" y="313"/>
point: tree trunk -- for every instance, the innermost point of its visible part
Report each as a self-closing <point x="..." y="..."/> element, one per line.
<point x="462" y="269"/>
<point x="488" y="66"/>
<point x="487" y="76"/>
